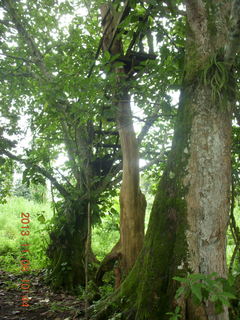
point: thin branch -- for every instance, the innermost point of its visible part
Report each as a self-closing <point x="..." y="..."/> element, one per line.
<point x="64" y="178"/>
<point x="15" y="57"/>
<point x="44" y="172"/>
<point x="139" y="29"/>
<point x="151" y="119"/>
<point x="100" y="42"/>
<point x="123" y="14"/>
<point x="139" y="119"/>
<point x="69" y="143"/>
<point x="6" y="23"/>
<point x="118" y="179"/>
<point x="11" y="74"/>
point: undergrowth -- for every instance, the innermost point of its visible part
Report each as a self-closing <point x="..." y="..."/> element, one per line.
<point x="104" y="237"/>
<point x="10" y="229"/>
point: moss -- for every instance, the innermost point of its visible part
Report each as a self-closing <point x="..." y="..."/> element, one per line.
<point x="168" y="223"/>
<point x="211" y="13"/>
<point x="67" y="247"/>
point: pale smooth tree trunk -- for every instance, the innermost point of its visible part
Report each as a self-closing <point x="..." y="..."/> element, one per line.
<point x="207" y="179"/>
<point x="208" y="170"/>
<point x="132" y="201"/>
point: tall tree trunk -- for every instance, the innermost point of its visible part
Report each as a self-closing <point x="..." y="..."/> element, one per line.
<point x="132" y="201"/>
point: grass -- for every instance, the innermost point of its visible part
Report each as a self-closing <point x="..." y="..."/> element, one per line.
<point x="104" y="236"/>
<point x="10" y="237"/>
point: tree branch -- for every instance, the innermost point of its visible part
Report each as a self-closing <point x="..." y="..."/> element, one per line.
<point x="39" y="169"/>
<point x="151" y="119"/>
<point x="11" y="74"/>
<point x="100" y="44"/>
<point x="15" y="57"/>
<point x="118" y="179"/>
<point x="69" y="143"/>
<point x="64" y="178"/>
<point x="5" y="23"/>
<point x="22" y="30"/>
<point x="139" y="29"/>
<point x="125" y="11"/>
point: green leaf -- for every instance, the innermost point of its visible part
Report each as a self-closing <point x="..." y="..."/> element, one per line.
<point x="133" y="3"/>
<point x="180" y="279"/>
<point x="229" y="295"/>
<point x="197" y="291"/>
<point x="107" y="55"/>
<point x="180" y="292"/>
<point x="115" y="57"/>
<point x="219" y="307"/>
<point x="197" y="276"/>
<point x="119" y="64"/>
<point x="41" y="219"/>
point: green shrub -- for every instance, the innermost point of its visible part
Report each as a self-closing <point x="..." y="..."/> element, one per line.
<point x="204" y="287"/>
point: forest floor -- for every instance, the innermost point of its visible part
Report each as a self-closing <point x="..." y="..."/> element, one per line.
<point x="43" y="303"/>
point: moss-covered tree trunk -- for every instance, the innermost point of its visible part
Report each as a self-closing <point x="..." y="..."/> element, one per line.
<point x="67" y="247"/>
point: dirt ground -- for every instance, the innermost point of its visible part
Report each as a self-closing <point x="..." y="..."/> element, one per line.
<point x="43" y="304"/>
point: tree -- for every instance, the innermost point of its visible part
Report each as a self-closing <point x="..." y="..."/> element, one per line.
<point x="189" y="218"/>
<point x="59" y="116"/>
<point x="45" y="77"/>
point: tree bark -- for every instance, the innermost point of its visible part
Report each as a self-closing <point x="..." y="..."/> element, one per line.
<point x="132" y="201"/>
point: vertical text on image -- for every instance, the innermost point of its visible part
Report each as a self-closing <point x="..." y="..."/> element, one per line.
<point x="25" y="262"/>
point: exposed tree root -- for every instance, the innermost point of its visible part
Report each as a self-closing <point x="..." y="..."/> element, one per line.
<point x="108" y="263"/>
